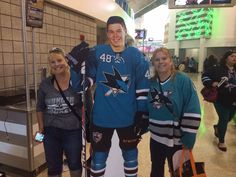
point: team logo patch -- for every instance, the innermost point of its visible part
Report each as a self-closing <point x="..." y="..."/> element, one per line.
<point x="119" y="58"/>
<point x="116" y="83"/>
<point x="97" y="137"/>
<point x="159" y="99"/>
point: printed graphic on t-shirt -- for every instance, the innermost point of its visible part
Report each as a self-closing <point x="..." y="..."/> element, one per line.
<point x="58" y="105"/>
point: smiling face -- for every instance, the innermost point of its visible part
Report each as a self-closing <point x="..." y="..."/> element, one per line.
<point x="162" y="63"/>
<point x="116" y="36"/>
<point x="58" y="64"/>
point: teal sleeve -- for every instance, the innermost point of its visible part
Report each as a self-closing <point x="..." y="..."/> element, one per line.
<point x="191" y="118"/>
<point x="142" y="83"/>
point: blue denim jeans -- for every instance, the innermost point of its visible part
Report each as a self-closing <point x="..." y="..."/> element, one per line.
<point x="58" y="141"/>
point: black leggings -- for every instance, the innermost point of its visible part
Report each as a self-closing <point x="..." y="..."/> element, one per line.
<point x="159" y="153"/>
<point x="225" y="115"/>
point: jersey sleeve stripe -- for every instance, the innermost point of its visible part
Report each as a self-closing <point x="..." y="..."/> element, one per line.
<point x="142" y="90"/>
<point x="142" y="94"/>
<point x="189" y="130"/>
<point x="142" y="98"/>
<point x="194" y="115"/>
<point x="190" y="123"/>
<point x="164" y="122"/>
<point x="165" y="131"/>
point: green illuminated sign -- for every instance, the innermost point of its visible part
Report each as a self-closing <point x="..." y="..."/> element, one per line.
<point x="193" y="24"/>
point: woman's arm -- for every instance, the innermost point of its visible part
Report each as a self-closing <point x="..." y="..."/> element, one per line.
<point x="209" y="77"/>
<point x="40" y="121"/>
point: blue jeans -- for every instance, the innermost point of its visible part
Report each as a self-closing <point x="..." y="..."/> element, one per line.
<point x="56" y="141"/>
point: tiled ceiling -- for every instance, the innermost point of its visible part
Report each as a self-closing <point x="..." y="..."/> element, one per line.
<point x="141" y="7"/>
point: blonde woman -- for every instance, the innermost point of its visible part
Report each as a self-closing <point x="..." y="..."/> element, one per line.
<point x="174" y="112"/>
<point x="60" y="126"/>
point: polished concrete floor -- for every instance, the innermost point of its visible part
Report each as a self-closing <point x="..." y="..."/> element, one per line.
<point x="217" y="163"/>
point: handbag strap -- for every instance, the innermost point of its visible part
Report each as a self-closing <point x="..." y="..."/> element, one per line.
<point x="167" y="106"/>
<point x="192" y="162"/>
<point x="67" y="102"/>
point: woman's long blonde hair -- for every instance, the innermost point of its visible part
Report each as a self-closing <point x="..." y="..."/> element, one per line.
<point x="166" y="52"/>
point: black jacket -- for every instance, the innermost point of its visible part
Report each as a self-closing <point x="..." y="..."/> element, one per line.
<point x="227" y="91"/>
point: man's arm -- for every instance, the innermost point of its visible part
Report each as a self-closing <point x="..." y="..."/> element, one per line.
<point x="142" y="87"/>
<point x="77" y="58"/>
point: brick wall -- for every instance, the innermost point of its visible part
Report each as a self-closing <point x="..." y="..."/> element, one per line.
<point x="61" y="28"/>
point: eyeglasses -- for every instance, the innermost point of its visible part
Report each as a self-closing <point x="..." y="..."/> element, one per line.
<point x="56" y="49"/>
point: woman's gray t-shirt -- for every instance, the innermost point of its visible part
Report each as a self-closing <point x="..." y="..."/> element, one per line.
<point x="56" y="112"/>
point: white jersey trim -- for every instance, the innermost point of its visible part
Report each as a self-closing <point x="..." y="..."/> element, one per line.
<point x="164" y="122"/>
<point x="166" y="141"/>
<point x="142" y="90"/>
<point x="192" y="115"/>
<point x="189" y="130"/>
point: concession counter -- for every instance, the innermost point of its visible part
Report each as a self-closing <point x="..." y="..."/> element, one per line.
<point x="17" y="128"/>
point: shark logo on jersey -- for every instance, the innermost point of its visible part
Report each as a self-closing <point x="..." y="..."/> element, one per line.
<point x="159" y="99"/>
<point x="116" y="83"/>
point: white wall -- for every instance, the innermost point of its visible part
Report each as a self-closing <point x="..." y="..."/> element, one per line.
<point x="223" y="27"/>
<point x="99" y="9"/>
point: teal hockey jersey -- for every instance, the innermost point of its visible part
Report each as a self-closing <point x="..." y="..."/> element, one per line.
<point x="174" y="116"/>
<point x="122" y="85"/>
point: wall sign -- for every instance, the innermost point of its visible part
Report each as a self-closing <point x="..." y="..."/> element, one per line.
<point x="193" y="24"/>
<point x="34" y="13"/>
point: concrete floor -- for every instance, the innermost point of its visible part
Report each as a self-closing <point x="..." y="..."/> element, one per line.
<point x="218" y="163"/>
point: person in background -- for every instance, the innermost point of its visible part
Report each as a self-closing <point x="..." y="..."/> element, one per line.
<point x="120" y="102"/>
<point x="186" y="63"/>
<point x="174" y="112"/>
<point x="129" y="42"/>
<point x="223" y="77"/>
<point x="209" y="62"/>
<point x="60" y="126"/>
<point x="192" y="65"/>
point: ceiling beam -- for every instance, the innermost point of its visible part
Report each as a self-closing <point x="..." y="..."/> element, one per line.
<point x="149" y="7"/>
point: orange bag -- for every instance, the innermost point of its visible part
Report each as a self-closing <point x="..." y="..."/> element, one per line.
<point x="189" y="168"/>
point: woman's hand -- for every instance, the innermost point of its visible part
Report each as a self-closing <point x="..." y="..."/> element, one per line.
<point x="38" y="137"/>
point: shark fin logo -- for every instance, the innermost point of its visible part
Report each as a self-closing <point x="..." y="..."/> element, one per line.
<point x="116" y="83"/>
<point x="159" y="99"/>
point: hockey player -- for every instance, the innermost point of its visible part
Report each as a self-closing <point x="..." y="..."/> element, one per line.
<point x="121" y="76"/>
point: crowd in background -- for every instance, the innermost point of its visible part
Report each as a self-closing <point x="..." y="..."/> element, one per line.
<point x="189" y="63"/>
